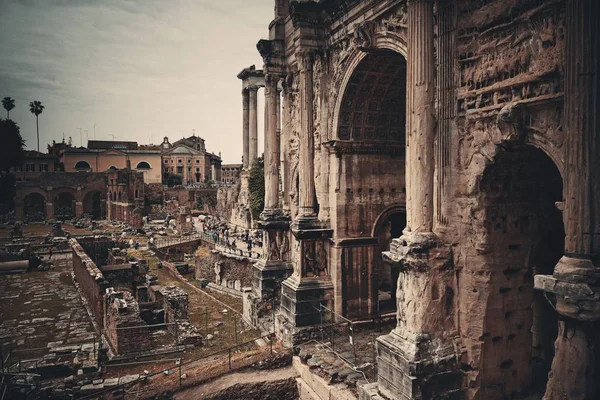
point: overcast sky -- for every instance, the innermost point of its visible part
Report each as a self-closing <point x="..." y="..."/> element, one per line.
<point x="138" y="69"/>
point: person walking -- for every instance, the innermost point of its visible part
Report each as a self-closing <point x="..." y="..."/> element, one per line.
<point x="50" y="252"/>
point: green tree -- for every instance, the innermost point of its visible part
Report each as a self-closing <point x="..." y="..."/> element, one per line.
<point x="8" y="103"/>
<point x="11" y="155"/>
<point x="36" y="107"/>
<point x="256" y="186"/>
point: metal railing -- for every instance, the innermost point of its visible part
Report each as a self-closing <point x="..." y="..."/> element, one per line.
<point x="350" y="342"/>
<point x="221" y="244"/>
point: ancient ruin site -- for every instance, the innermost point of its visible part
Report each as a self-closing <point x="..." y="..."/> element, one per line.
<point x="405" y="206"/>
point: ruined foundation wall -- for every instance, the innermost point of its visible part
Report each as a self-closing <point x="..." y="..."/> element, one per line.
<point x="92" y="284"/>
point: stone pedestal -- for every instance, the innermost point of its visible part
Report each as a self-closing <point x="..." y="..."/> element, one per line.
<point x="300" y="300"/>
<point x="420" y="358"/>
<point x="275" y="266"/>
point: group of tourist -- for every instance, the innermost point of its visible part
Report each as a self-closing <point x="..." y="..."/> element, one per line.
<point x="221" y="232"/>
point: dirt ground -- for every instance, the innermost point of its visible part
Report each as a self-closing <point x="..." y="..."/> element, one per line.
<point x="228" y="380"/>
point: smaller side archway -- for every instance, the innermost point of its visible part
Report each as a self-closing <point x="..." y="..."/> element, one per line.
<point x="390" y="224"/>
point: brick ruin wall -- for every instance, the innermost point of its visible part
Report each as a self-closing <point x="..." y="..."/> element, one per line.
<point x="125" y="330"/>
<point x="90" y="279"/>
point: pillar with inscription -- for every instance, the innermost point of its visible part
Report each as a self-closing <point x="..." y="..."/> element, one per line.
<point x="574" y="283"/>
<point x="420" y="359"/>
<point x="274" y="266"/>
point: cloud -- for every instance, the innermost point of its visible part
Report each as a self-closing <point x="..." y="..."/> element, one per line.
<point x="134" y="68"/>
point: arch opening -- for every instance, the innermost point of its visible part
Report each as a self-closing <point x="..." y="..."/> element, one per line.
<point x="385" y="278"/>
<point x="524" y="236"/>
<point x="94" y="204"/>
<point x="374" y="102"/>
<point x="371" y="121"/>
<point x="142" y="165"/>
<point x="34" y="207"/>
<point x="64" y="206"/>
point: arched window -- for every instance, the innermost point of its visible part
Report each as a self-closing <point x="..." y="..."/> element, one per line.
<point x="143" y="165"/>
<point x="83" y="166"/>
<point x="112" y="168"/>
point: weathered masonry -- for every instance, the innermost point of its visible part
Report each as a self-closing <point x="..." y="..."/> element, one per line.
<point x="439" y="159"/>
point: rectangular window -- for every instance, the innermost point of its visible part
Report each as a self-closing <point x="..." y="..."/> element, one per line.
<point x="171" y="161"/>
<point x="197" y="161"/>
<point x="166" y="161"/>
<point x="179" y="170"/>
<point x="43" y="167"/>
<point x="29" y="167"/>
<point x="167" y="169"/>
<point x="189" y="161"/>
<point x="189" y="169"/>
<point x="197" y="169"/>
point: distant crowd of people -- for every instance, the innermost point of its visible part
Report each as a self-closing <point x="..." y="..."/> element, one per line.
<point x="222" y="233"/>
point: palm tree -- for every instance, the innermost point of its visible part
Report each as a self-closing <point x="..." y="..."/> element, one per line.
<point x="8" y="103"/>
<point x="36" y="107"/>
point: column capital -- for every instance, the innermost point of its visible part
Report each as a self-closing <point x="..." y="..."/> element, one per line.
<point x="306" y="59"/>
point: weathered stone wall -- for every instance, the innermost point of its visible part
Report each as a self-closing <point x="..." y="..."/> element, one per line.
<point x="125" y="330"/>
<point x="92" y="284"/>
<point x="230" y="270"/>
<point x="498" y="156"/>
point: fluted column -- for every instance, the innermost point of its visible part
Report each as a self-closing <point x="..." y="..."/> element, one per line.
<point x="575" y="367"/>
<point x="279" y="154"/>
<point x="306" y="146"/>
<point x="271" y="144"/>
<point x="246" y="128"/>
<point x="582" y="144"/>
<point x="283" y="139"/>
<point x="425" y="337"/>
<point x="253" y="129"/>
<point x="420" y="130"/>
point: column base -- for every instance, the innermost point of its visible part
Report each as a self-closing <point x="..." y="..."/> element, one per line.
<point x="299" y="317"/>
<point x="267" y="277"/>
<point x="419" y="367"/>
<point x="421" y="357"/>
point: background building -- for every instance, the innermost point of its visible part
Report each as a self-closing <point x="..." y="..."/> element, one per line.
<point x="230" y="173"/>
<point x="106" y="155"/>
<point x="187" y="162"/>
<point x="35" y="163"/>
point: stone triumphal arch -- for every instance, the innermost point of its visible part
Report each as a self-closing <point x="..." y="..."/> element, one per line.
<point x="443" y="156"/>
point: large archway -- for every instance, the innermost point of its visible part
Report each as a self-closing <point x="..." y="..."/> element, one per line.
<point x="34" y="207"/>
<point x="94" y="204"/>
<point x="524" y="236"/>
<point x="370" y="145"/>
<point x="64" y="206"/>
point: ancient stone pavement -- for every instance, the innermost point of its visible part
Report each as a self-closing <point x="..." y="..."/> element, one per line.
<point x="41" y="308"/>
